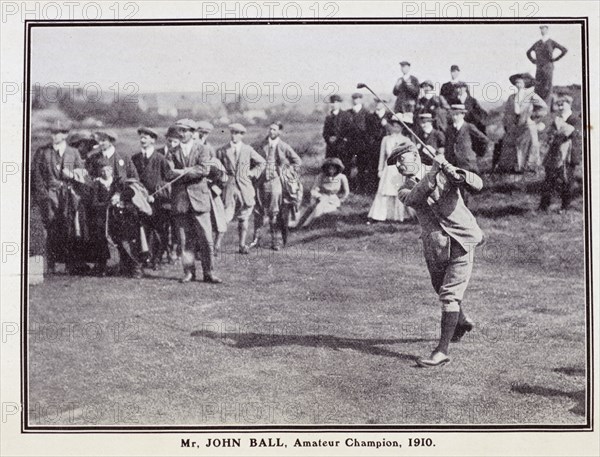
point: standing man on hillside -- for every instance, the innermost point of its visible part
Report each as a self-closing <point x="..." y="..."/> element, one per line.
<point x="243" y="165"/>
<point x="448" y="89"/>
<point x="358" y="151"/>
<point x="55" y="168"/>
<point x="406" y="90"/>
<point x="335" y="130"/>
<point x="191" y="202"/>
<point x="541" y="54"/>
<point x="270" y="198"/>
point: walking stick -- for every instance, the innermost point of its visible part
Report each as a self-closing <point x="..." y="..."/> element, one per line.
<point x="425" y="149"/>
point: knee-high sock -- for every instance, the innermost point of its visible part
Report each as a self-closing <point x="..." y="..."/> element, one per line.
<point x="450" y="312"/>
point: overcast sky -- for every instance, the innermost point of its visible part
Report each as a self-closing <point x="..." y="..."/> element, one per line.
<point x="171" y="58"/>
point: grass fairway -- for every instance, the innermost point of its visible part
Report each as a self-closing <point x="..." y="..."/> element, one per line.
<point x="325" y="332"/>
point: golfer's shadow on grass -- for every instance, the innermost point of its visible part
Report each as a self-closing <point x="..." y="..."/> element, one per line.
<point x="578" y="396"/>
<point x="366" y="346"/>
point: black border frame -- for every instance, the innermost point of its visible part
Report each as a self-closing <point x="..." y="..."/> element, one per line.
<point x="587" y="218"/>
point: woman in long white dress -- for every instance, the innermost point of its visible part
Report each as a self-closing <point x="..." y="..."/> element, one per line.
<point x="387" y="206"/>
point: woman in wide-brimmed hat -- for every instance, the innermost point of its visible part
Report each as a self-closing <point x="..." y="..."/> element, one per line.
<point x="328" y="194"/>
<point x="386" y="205"/>
<point x="520" y="145"/>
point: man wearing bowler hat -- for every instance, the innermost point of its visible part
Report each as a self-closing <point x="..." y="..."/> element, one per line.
<point x="243" y="165"/>
<point x="434" y="139"/>
<point x="358" y="152"/>
<point x="123" y="167"/>
<point x="434" y="105"/>
<point x="448" y="89"/>
<point x="191" y="202"/>
<point x="542" y="55"/>
<point x="335" y="129"/>
<point x="406" y="90"/>
<point x="56" y="168"/>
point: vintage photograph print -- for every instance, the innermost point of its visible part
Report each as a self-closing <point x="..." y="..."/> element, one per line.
<point x="268" y="225"/>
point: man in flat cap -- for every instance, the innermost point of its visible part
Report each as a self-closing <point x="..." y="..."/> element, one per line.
<point x="542" y="55"/>
<point x="191" y="202"/>
<point x="272" y="200"/>
<point x="154" y="171"/>
<point x="335" y="129"/>
<point x="204" y="129"/>
<point x="448" y="89"/>
<point x="406" y="90"/>
<point x="56" y="167"/>
<point x="449" y="233"/>
<point x="243" y="165"/>
<point x="123" y="167"/>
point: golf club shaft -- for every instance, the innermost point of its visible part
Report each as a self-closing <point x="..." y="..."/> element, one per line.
<point x="168" y="184"/>
<point x="425" y="149"/>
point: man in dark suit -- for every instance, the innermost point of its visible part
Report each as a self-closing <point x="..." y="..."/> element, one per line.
<point x="123" y="167"/>
<point x="406" y="90"/>
<point x="243" y="165"/>
<point x="541" y="54"/>
<point x="434" y="105"/>
<point x="270" y="198"/>
<point x="154" y="170"/>
<point x="335" y="129"/>
<point x="56" y="168"/>
<point x="358" y="141"/>
<point x="434" y="139"/>
<point x="464" y="143"/>
<point x="191" y="202"/>
<point x="448" y="89"/>
<point x="476" y="115"/>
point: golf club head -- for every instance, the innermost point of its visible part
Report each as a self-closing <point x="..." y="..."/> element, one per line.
<point x="361" y="85"/>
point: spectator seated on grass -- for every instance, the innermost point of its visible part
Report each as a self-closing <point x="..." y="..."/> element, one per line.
<point x="328" y="194"/>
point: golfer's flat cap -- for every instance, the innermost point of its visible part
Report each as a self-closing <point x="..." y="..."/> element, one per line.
<point x="458" y="108"/>
<point x="427" y="83"/>
<point x="103" y="134"/>
<point x="187" y="123"/>
<point x="60" y="127"/>
<point x="425" y="117"/>
<point x="205" y="127"/>
<point x="404" y="62"/>
<point x="335" y="98"/>
<point x="237" y="127"/>
<point x="401" y="149"/>
<point x="147" y="131"/>
<point x="357" y="95"/>
<point x="454" y="68"/>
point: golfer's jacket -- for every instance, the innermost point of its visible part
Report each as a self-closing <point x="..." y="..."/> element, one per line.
<point x="440" y="207"/>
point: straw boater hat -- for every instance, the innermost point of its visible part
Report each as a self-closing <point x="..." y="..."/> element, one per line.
<point x="425" y="117"/>
<point x="333" y="161"/>
<point x="407" y="118"/>
<point x="526" y="77"/>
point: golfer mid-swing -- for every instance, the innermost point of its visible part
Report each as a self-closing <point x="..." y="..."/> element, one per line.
<point x="449" y="233"/>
